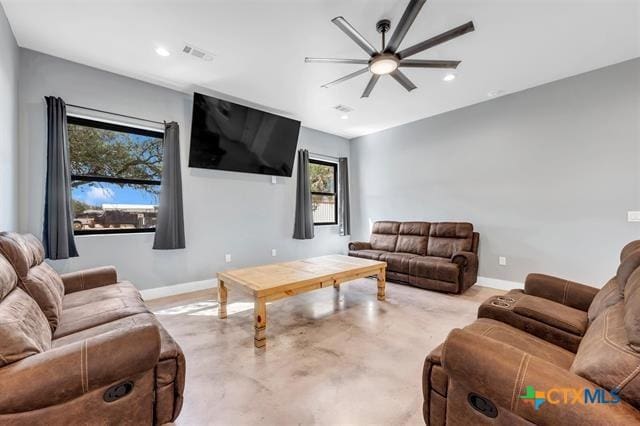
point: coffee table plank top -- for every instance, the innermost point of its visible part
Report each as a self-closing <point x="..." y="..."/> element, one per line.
<point x="266" y="279"/>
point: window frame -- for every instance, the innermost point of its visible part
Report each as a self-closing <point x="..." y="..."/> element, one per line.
<point x="88" y="122"/>
<point x="334" y="193"/>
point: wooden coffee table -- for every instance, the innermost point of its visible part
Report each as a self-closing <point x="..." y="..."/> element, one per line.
<point x="267" y="283"/>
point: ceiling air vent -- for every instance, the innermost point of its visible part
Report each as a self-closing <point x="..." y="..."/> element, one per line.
<point x="189" y="49"/>
<point x="343" y="108"/>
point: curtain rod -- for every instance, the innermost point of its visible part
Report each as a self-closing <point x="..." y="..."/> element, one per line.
<point x="115" y="113"/>
<point x="323" y="155"/>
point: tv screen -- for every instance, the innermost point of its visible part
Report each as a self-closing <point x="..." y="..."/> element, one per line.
<point x="228" y="136"/>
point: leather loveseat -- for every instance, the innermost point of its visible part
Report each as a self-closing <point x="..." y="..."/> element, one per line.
<point x="80" y="348"/>
<point x="435" y="256"/>
<point x="492" y="372"/>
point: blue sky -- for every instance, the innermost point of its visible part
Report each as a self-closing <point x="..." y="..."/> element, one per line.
<point x="109" y="193"/>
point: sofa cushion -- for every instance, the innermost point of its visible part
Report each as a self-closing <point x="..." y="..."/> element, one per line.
<point x="447" y="238"/>
<point x="367" y="254"/>
<point x="605" y="357"/>
<point x="24" y="330"/>
<point x="552" y="313"/>
<point x="607" y="296"/>
<point x="123" y="289"/>
<point x="630" y="263"/>
<point x="412" y="238"/>
<point x="96" y="313"/>
<point x="397" y="262"/>
<point x="8" y="278"/>
<point x="629" y="248"/>
<point x="632" y="310"/>
<point x="384" y="235"/>
<point x="435" y="268"/>
<point x="522" y="340"/>
<point x="36" y="278"/>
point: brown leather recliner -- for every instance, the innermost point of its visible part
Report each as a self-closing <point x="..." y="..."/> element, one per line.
<point x="435" y="256"/>
<point x="558" y="310"/>
<point x="81" y="347"/>
<point x="486" y="372"/>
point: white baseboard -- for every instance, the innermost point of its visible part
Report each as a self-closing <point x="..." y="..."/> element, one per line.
<point x="499" y="284"/>
<point x="171" y="290"/>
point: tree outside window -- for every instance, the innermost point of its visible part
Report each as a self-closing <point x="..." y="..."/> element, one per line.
<point x="115" y="176"/>
<point x="324" y="201"/>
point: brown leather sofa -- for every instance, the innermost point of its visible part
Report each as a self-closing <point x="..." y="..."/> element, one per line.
<point x="80" y="348"/>
<point x="558" y="310"/>
<point x="478" y="375"/>
<point x="435" y="256"/>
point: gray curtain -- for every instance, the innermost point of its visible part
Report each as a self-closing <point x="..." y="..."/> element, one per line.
<point x="170" y="224"/>
<point x="344" y="214"/>
<point x="303" y="227"/>
<point x="57" y="235"/>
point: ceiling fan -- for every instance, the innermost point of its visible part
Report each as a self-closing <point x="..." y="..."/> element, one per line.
<point x="389" y="59"/>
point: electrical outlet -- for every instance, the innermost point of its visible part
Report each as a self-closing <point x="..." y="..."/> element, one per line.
<point x="633" y="216"/>
<point x="502" y="261"/>
<point x="227" y="258"/>
<point x="274" y="253"/>
<point x="274" y="180"/>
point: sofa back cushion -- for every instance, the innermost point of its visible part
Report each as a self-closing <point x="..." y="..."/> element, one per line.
<point x="629" y="264"/>
<point x="605" y="358"/>
<point x="8" y="278"/>
<point x="36" y="278"/>
<point x="447" y="238"/>
<point x="607" y="296"/>
<point x="384" y="235"/>
<point x="629" y="248"/>
<point x="413" y="238"/>
<point x="24" y="330"/>
<point x="632" y="310"/>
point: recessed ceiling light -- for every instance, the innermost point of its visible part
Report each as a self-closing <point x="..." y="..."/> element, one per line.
<point x="449" y="77"/>
<point x="162" y="51"/>
<point x="344" y="117"/>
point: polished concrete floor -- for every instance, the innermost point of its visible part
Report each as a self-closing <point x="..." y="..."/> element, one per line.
<point x="332" y="357"/>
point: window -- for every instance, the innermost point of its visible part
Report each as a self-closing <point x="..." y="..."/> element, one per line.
<point x="115" y="177"/>
<point x="324" y="201"/>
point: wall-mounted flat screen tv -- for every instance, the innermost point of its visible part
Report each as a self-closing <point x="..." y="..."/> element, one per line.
<point x="229" y="136"/>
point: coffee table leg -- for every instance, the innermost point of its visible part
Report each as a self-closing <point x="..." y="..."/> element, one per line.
<point x="260" y="315"/>
<point x="381" y="284"/>
<point x="336" y="286"/>
<point x="222" y="300"/>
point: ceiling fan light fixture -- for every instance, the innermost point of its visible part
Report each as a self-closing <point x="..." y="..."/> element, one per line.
<point x="383" y="64"/>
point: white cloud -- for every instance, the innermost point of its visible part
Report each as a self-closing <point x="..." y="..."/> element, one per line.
<point x="97" y="193"/>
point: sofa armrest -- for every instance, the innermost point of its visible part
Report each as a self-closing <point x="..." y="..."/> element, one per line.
<point x="69" y="371"/>
<point x="89" y="278"/>
<point x="503" y="374"/>
<point x="359" y="245"/>
<point x="465" y="259"/>
<point x="569" y="293"/>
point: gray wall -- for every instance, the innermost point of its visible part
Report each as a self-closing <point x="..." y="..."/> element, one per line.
<point x="225" y="212"/>
<point x="9" y="59"/>
<point x="546" y="175"/>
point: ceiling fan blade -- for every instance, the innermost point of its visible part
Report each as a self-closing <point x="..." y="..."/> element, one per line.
<point x="428" y="63"/>
<point x="434" y="41"/>
<point x="354" y="35"/>
<point x="370" y="85"/>
<point x="403" y="80"/>
<point x="409" y="15"/>
<point x="346" y="77"/>
<point x="336" y="61"/>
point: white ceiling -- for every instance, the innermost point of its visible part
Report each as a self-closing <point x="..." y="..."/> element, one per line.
<point x="260" y="45"/>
